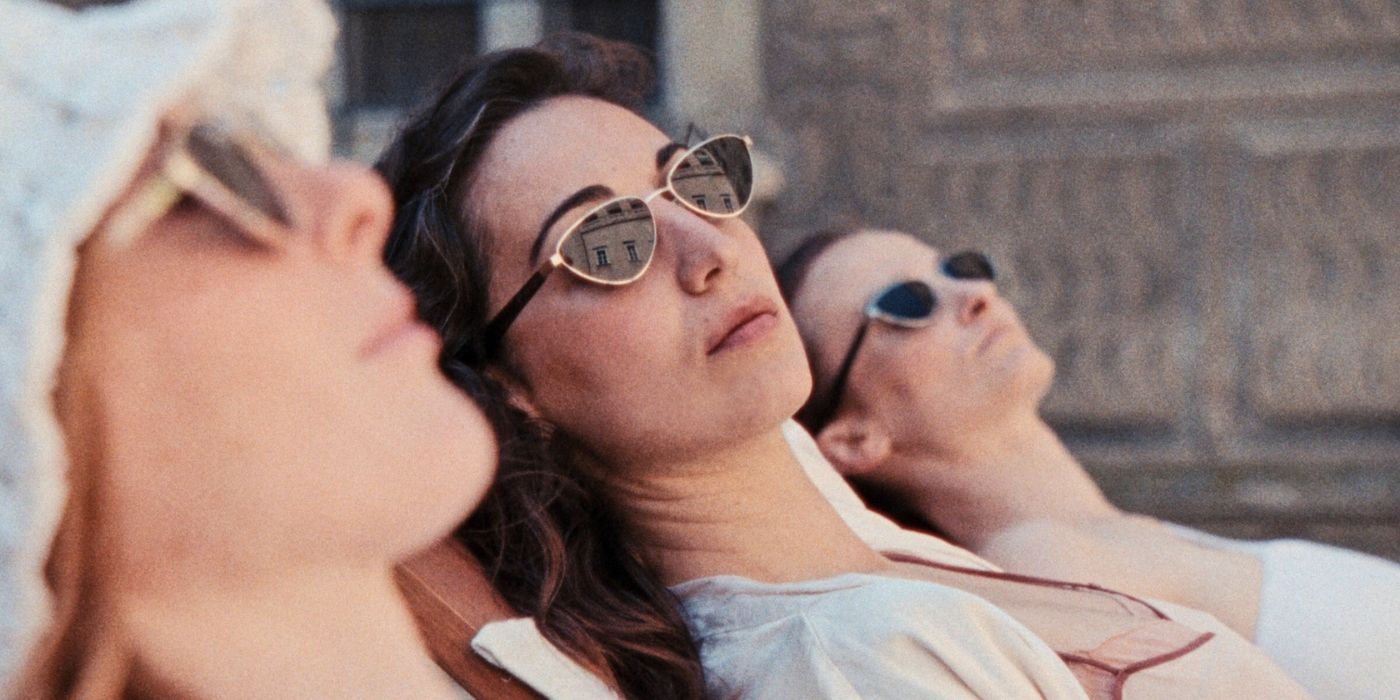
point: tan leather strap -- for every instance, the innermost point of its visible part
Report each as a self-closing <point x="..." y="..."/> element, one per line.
<point x="451" y="600"/>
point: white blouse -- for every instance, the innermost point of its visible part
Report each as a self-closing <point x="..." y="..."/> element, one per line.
<point x="1328" y="616"/>
<point x="864" y="636"/>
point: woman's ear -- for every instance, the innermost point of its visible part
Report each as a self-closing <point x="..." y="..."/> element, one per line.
<point x="517" y="391"/>
<point x="854" y="444"/>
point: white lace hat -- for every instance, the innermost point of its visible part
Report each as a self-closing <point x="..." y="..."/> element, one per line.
<point x="81" y="93"/>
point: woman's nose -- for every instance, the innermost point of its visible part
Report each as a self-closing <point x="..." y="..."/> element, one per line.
<point x="349" y="210"/>
<point x="974" y="298"/>
<point x="704" y="251"/>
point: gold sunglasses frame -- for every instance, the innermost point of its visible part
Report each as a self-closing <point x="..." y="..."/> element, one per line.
<point x="495" y="329"/>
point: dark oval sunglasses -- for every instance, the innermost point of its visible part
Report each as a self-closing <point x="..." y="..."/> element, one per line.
<point x="906" y="304"/>
<point x="614" y="242"/>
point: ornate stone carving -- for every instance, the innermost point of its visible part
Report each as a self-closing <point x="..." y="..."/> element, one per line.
<point x="1193" y="205"/>
<point x="1035" y="35"/>
<point x="1320" y="329"/>
<point x="1094" y="253"/>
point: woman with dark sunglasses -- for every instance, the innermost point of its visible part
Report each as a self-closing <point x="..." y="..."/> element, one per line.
<point x="212" y="392"/>
<point x="928" y="389"/>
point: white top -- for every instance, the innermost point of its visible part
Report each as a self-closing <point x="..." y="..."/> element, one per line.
<point x="863" y="636"/>
<point x="881" y="533"/>
<point x="885" y="536"/>
<point x="517" y="646"/>
<point x="969" y="634"/>
<point x="1330" y="617"/>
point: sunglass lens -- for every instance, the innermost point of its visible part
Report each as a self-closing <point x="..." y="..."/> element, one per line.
<point x="612" y="243"/>
<point x="223" y="158"/>
<point x="969" y="265"/>
<point x="911" y="301"/>
<point x="716" y="177"/>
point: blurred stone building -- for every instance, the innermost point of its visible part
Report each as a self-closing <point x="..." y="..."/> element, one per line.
<point x="1193" y="202"/>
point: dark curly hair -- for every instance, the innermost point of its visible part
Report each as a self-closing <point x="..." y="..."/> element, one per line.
<point x="553" y="549"/>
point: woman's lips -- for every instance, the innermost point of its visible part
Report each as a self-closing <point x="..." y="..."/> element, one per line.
<point x="993" y="335"/>
<point x="403" y="333"/>
<point x="745" y="324"/>
<point x="401" y="326"/>
<point x="408" y="332"/>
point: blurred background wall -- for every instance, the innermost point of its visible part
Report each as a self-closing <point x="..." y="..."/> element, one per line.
<point x="1194" y="203"/>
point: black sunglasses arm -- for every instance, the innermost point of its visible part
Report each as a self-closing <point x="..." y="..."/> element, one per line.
<point x="838" y="385"/>
<point x="495" y="331"/>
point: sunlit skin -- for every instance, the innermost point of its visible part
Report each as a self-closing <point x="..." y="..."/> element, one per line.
<point x="686" y="436"/>
<point x="942" y="424"/>
<point x="972" y="369"/>
<point x="271" y="433"/>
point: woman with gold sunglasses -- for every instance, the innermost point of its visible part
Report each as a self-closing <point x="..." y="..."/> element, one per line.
<point x="647" y="495"/>
<point x="213" y="392"/>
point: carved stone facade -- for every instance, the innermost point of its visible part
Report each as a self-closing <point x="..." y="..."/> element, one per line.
<point x="1194" y="205"/>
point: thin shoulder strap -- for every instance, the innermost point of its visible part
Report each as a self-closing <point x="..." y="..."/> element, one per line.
<point x="451" y="600"/>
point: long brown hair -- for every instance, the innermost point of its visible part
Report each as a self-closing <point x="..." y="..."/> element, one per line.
<point x="552" y="547"/>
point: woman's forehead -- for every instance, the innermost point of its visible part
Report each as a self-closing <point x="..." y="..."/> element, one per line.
<point x="843" y="278"/>
<point x="567" y="140"/>
<point x="550" y="152"/>
<point x="876" y="258"/>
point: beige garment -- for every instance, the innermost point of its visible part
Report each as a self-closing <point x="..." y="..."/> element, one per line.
<point x="862" y="636"/>
<point x="1211" y="660"/>
<point x="518" y="646"/>
<point x="1119" y="646"/>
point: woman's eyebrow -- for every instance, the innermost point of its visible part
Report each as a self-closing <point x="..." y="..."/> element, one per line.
<point x="663" y="155"/>
<point x="589" y="193"/>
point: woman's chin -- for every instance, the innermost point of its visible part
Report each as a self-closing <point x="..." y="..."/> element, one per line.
<point x="434" y="520"/>
<point x="1040" y="373"/>
<point x="778" y="400"/>
<point x="794" y="374"/>
<point x="451" y="472"/>
<point x="462" y="488"/>
<point x="1025" y="364"/>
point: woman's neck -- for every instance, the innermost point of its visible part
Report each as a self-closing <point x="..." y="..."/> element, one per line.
<point x="748" y="510"/>
<point x="1019" y="472"/>
<point x="322" y="633"/>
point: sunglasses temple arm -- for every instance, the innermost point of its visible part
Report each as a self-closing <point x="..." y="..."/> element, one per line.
<point x="838" y="385"/>
<point x="495" y="331"/>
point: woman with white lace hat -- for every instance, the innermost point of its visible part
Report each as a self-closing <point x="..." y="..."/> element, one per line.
<point x="213" y="396"/>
